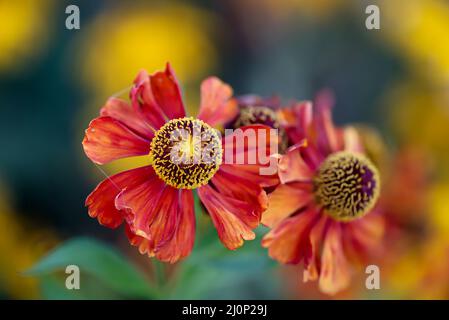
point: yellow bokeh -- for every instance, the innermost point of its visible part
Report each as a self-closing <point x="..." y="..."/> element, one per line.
<point x="420" y="117"/>
<point x="24" y="30"/>
<point x="419" y="29"/>
<point x="121" y="42"/>
<point x="21" y="246"/>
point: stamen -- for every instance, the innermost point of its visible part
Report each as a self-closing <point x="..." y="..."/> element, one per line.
<point x="186" y="153"/>
<point x="347" y="185"/>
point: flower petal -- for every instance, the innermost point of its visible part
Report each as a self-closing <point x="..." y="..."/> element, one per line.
<point x="130" y="117"/>
<point x="181" y="243"/>
<point x="297" y="120"/>
<point x="234" y="219"/>
<point x="217" y="106"/>
<point x="252" y="145"/>
<point x="335" y="273"/>
<point x="183" y="240"/>
<point x="287" y="241"/>
<point x="232" y="185"/>
<point x="167" y="94"/>
<point x="142" y="203"/>
<point x="328" y="138"/>
<point x="100" y="202"/>
<point x="312" y="259"/>
<point x="352" y="140"/>
<point x="292" y="167"/>
<point x="107" y="139"/>
<point x="285" y="200"/>
<point x="143" y="101"/>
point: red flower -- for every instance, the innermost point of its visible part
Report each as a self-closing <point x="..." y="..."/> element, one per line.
<point x="319" y="212"/>
<point x="156" y="201"/>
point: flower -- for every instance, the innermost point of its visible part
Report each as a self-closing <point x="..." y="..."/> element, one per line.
<point x="156" y="201"/>
<point x="319" y="214"/>
<point x="257" y="110"/>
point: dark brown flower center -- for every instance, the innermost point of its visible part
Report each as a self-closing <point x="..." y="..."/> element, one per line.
<point x="347" y="185"/>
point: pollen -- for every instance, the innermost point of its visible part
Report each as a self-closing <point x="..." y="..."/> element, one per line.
<point x="346" y="185"/>
<point x="186" y="153"/>
<point x="262" y="115"/>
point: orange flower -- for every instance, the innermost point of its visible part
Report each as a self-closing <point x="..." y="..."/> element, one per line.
<point x="319" y="213"/>
<point x="156" y="201"/>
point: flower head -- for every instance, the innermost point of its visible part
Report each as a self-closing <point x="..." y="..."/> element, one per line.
<point x="320" y="213"/>
<point x="156" y="201"/>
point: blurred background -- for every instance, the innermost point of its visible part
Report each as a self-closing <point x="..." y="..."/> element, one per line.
<point x="392" y="82"/>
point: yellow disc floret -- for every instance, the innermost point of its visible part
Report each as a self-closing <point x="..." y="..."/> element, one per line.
<point x="347" y="185"/>
<point x="186" y="153"/>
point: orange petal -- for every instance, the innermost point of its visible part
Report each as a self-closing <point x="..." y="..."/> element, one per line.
<point x="287" y="241"/>
<point x="297" y="120"/>
<point x="292" y="167"/>
<point x="283" y="201"/>
<point x="130" y="117"/>
<point x="108" y="139"/>
<point x="142" y="203"/>
<point x="181" y="243"/>
<point x="251" y="173"/>
<point x="335" y="273"/>
<point x="233" y="218"/>
<point x="252" y="145"/>
<point x="233" y="185"/>
<point x="100" y="202"/>
<point x="329" y="138"/>
<point x="143" y="101"/>
<point x="217" y="106"/>
<point x="312" y="259"/>
<point x="167" y="94"/>
<point x="352" y="140"/>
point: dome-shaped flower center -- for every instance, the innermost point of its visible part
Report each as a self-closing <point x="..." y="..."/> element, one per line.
<point x="186" y="153"/>
<point x="262" y="115"/>
<point x="346" y="185"/>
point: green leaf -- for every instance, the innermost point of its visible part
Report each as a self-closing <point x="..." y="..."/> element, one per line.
<point x="101" y="262"/>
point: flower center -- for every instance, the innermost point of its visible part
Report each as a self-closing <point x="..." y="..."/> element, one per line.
<point x="262" y="115"/>
<point x="186" y="153"/>
<point x="347" y="185"/>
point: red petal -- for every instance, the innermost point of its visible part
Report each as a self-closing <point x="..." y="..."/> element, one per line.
<point x="335" y="273"/>
<point x="181" y="243"/>
<point x="143" y="101"/>
<point x="251" y="173"/>
<point x="233" y="185"/>
<point x="126" y="114"/>
<point x="217" y="106"/>
<point x="329" y="139"/>
<point x="108" y="139"/>
<point x="100" y="202"/>
<point x="285" y="200"/>
<point x="143" y="203"/>
<point x="234" y="219"/>
<point x="252" y="145"/>
<point x="287" y="242"/>
<point x="312" y="259"/>
<point x="167" y="93"/>
<point x="292" y="167"/>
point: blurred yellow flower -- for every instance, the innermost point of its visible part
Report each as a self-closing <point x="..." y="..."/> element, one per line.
<point x="24" y="29"/>
<point x="420" y="117"/>
<point x="122" y="41"/>
<point x="420" y="29"/>
<point x="21" y="245"/>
